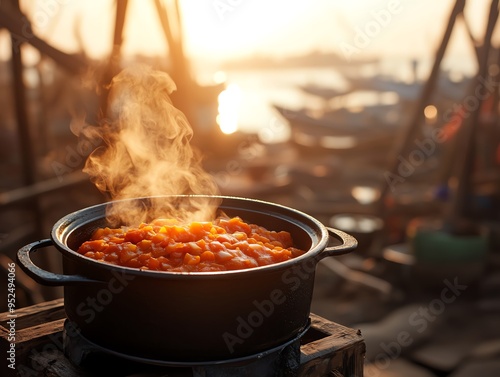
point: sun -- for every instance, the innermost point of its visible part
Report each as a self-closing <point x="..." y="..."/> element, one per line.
<point x="231" y="28"/>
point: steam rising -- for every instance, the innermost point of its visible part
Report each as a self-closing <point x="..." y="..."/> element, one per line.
<point x="146" y="151"/>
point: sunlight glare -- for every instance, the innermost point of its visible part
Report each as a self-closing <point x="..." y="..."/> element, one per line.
<point x="219" y="77"/>
<point x="430" y="112"/>
<point x="365" y="194"/>
<point x="229" y="105"/>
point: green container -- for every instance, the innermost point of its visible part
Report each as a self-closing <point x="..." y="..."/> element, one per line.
<point x="438" y="247"/>
<point x="441" y="256"/>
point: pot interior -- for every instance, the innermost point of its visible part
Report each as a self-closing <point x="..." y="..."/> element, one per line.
<point x="307" y="233"/>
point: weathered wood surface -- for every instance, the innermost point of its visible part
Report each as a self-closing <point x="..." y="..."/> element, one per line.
<point x="340" y="353"/>
<point x="328" y="349"/>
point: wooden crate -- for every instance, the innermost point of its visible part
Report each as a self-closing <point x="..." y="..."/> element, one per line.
<point x="327" y="349"/>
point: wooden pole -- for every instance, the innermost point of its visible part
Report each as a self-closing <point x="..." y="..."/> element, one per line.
<point x="25" y="143"/>
<point x="114" y="59"/>
<point x="461" y="200"/>
<point x="180" y="70"/>
<point x="19" y="27"/>
<point x="423" y="101"/>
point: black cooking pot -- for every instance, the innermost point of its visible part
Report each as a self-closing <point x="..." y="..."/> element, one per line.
<point x="187" y="317"/>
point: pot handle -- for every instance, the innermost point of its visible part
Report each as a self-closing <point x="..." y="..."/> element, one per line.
<point x="348" y="244"/>
<point x="45" y="277"/>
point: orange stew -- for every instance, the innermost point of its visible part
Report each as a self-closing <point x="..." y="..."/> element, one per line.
<point x="166" y="245"/>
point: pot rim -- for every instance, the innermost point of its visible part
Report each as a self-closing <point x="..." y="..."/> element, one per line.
<point x="70" y="222"/>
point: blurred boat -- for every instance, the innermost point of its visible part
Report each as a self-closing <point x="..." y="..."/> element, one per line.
<point x="325" y="93"/>
<point x="447" y="87"/>
<point x="338" y="127"/>
<point x="340" y="130"/>
<point x="312" y="59"/>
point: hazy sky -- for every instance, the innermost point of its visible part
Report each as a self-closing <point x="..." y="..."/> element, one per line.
<point x="231" y="28"/>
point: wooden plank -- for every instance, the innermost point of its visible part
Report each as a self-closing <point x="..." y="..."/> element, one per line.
<point x="341" y="352"/>
<point x="39" y="331"/>
<point x="35" y="326"/>
<point x="35" y="314"/>
<point x="37" y="309"/>
<point x="339" y="338"/>
<point x="25" y="193"/>
<point x="56" y="364"/>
